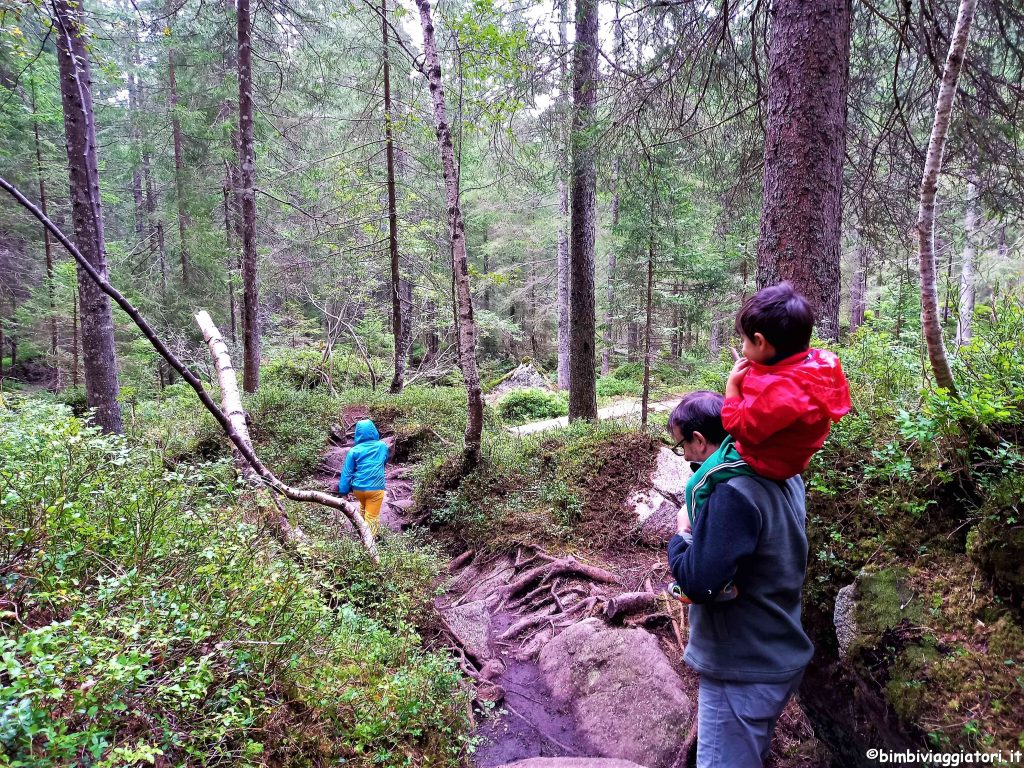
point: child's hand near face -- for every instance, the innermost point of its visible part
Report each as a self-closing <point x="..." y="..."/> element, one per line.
<point x="734" y="385"/>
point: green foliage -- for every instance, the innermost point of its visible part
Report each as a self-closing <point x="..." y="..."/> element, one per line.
<point x="610" y="386"/>
<point x="533" y="489"/>
<point x="306" y="368"/>
<point x="148" y="616"/>
<point x="522" y="406"/>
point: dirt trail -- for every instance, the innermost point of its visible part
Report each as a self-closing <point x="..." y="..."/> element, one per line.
<point x="613" y="687"/>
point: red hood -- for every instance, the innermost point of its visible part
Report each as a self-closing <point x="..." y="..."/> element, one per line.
<point x="821" y="376"/>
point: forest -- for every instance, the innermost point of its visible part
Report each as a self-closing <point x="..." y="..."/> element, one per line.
<point x="514" y="234"/>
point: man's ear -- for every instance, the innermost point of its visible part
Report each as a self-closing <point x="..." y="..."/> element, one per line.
<point x="698" y="439"/>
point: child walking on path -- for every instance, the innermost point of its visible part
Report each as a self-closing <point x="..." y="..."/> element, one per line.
<point x="363" y="472"/>
<point x="781" y="397"/>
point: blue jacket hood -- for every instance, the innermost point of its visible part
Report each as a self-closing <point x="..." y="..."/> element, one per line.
<point x="366" y="431"/>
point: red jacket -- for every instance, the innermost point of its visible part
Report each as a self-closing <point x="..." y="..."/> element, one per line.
<point x="786" y="410"/>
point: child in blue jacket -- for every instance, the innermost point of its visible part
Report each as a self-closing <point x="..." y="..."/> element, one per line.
<point x="363" y="472"/>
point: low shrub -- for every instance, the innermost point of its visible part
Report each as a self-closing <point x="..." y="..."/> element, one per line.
<point x="149" y="616"/>
<point x="525" y="405"/>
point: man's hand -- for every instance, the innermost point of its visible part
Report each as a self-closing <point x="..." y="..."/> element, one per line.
<point x="734" y="386"/>
<point x="683" y="521"/>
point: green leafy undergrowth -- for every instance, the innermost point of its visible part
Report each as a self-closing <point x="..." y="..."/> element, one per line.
<point x="291" y="426"/>
<point x="149" y="618"/>
<point x="522" y="406"/>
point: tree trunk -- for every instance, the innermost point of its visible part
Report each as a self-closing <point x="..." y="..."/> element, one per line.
<point x="645" y="400"/>
<point x="859" y="288"/>
<point x="609" y="314"/>
<point x="156" y="227"/>
<point x="179" y="164"/>
<point x="457" y="231"/>
<point x="134" y="116"/>
<point x="399" y="325"/>
<point x="583" y="325"/>
<point x="929" y="185"/>
<point x="805" y="146"/>
<point x="230" y="246"/>
<point x="47" y="244"/>
<point x="247" y="192"/>
<point x="968" y="269"/>
<point x="100" y="357"/>
<point x="563" y="287"/>
<point x="74" y="339"/>
<point x="563" y="206"/>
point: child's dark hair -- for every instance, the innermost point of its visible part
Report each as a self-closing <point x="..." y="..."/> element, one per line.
<point x="699" y="412"/>
<point x="781" y="315"/>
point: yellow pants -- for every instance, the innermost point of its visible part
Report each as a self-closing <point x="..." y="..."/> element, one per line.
<point x="369" y="502"/>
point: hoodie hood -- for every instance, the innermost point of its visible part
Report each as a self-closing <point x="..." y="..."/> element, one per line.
<point x="366" y="431"/>
<point x="821" y="377"/>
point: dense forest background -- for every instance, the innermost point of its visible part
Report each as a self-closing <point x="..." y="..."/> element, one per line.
<point x="386" y="209"/>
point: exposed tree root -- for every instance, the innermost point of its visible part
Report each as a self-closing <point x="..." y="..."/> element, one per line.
<point x="617" y="609"/>
<point x="568" y="566"/>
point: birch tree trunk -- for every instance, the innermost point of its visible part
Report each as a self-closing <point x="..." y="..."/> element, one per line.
<point x="247" y="193"/>
<point x="563" y="206"/>
<point x="805" y="146"/>
<point x="583" y="320"/>
<point x="968" y="269"/>
<point x="929" y="186"/>
<point x="399" y="324"/>
<point x="457" y="230"/>
<point x="99" y="354"/>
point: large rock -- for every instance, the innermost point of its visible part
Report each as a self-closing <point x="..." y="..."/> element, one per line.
<point x="523" y="377"/>
<point x="671" y="474"/>
<point x="571" y="762"/>
<point x="625" y="696"/>
<point x="845" y="619"/>
<point x="471" y="625"/>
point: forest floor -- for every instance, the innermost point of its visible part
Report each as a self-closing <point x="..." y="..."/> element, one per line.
<point x="575" y="654"/>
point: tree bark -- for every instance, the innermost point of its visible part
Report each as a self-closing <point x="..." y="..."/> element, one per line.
<point x="563" y="287"/>
<point x="457" y="231"/>
<point x="247" y="192"/>
<point x="399" y="325"/>
<point x="968" y="268"/>
<point x="805" y="146"/>
<point x="563" y="206"/>
<point x="583" y="320"/>
<point x="929" y="186"/>
<point x="179" y="164"/>
<point x="99" y="354"/>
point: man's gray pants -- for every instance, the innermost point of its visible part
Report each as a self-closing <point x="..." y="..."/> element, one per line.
<point x="735" y="721"/>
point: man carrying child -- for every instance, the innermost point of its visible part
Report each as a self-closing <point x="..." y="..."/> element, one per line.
<point x="740" y="555"/>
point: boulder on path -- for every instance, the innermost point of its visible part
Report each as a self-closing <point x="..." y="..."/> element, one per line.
<point x="625" y="696"/>
<point x="524" y="376"/>
<point x="571" y="762"/>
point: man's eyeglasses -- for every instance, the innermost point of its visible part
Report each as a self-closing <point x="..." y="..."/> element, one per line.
<point x="678" y="449"/>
